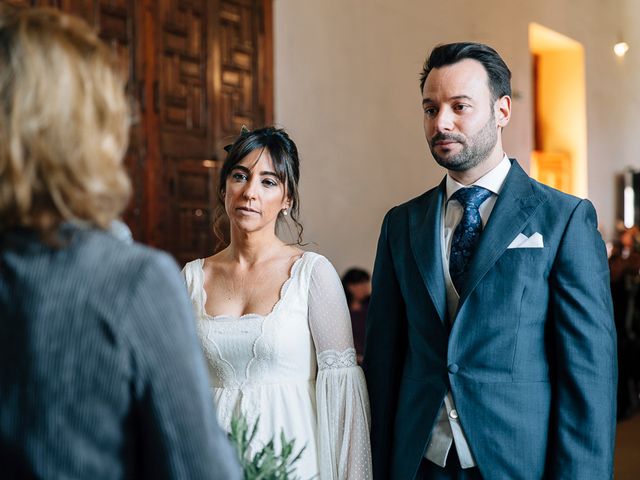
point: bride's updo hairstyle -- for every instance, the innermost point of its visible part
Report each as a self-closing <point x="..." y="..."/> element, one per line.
<point x="284" y="154"/>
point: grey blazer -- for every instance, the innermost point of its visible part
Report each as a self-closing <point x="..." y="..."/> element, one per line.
<point x="101" y="373"/>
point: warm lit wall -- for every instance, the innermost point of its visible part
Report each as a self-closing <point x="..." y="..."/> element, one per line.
<point x="564" y="122"/>
<point x="346" y="78"/>
<point x="561" y="103"/>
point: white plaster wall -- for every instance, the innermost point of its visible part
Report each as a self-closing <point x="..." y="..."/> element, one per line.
<point x="346" y="88"/>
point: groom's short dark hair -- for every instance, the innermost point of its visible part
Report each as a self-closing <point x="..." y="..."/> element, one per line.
<point x="450" y="53"/>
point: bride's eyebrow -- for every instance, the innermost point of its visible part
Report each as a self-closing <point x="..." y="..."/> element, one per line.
<point x="248" y="170"/>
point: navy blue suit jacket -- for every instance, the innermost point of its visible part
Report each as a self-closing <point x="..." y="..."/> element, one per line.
<point x="530" y="357"/>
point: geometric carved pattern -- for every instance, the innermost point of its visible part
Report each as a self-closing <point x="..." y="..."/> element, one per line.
<point x="33" y="3"/>
<point x="193" y="208"/>
<point x="238" y="45"/>
<point x="181" y="100"/>
<point x="195" y="235"/>
<point x="184" y="67"/>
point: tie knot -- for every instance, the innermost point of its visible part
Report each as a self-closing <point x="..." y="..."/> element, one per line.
<point x="471" y="196"/>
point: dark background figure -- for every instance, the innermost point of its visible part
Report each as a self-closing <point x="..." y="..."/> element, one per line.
<point x="624" y="264"/>
<point x="357" y="289"/>
<point x="101" y="375"/>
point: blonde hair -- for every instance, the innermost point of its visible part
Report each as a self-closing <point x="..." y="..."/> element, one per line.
<point x="64" y="123"/>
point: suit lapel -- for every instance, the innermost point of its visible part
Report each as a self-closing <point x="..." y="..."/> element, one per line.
<point x="425" y="236"/>
<point x="513" y="209"/>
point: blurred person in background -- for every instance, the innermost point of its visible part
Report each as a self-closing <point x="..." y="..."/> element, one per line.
<point x="100" y="371"/>
<point x="357" y="288"/>
<point x="624" y="264"/>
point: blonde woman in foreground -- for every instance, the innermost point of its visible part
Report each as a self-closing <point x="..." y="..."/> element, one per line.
<point x="100" y="376"/>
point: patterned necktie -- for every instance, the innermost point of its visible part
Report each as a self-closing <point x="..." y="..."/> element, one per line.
<point x="467" y="233"/>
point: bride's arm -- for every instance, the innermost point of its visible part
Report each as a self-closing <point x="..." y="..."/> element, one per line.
<point x="341" y="393"/>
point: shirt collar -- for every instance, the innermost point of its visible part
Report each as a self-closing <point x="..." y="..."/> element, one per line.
<point x="492" y="180"/>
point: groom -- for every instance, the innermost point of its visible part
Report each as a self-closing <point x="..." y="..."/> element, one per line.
<point x="490" y="348"/>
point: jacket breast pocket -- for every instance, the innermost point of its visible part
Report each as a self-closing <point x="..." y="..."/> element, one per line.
<point x="523" y="264"/>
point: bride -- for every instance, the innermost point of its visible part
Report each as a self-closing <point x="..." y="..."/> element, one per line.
<point x="274" y="323"/>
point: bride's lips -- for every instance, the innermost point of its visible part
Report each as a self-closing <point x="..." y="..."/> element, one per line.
<point x="247" y="210"/>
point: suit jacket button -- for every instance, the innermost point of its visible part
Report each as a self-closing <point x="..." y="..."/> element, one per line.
<point x="453" y="368"/>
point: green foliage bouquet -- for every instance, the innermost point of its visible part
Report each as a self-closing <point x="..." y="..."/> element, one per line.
<point x="266" y="464"/>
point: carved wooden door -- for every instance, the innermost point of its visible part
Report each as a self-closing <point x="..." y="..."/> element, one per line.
<point x="197" y="71"/>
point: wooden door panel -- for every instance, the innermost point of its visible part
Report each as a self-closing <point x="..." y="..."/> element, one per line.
<point x="197" y="71"/>
<point x="182" y="98"/>
<point x="193" y="189"/>
<point x="34" y="3"/>
<point x="239" y="30"/>
<point x="182" y="91"/>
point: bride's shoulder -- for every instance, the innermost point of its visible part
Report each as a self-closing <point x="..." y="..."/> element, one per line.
<point x="192" y="274"/>
<point x="189" y="268"/>
<point x="318" y="264"/>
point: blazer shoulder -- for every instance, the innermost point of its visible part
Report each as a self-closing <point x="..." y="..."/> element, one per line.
<point x="110" y="257"/>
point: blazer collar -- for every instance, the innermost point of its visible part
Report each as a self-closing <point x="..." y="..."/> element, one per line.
<point x="424" y="232"/>
<point x="515" y="205"/>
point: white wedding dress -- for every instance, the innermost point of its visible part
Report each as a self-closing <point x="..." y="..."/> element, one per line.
<point x="295" y="368"/>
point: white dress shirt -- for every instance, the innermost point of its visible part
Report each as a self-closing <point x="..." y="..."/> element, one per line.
<point x="448" y="429"/>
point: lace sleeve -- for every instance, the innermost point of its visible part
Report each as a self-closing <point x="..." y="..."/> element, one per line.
<point x="341" y="393"/>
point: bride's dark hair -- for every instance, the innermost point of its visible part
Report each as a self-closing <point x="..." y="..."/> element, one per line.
<point x="284" y="154"/>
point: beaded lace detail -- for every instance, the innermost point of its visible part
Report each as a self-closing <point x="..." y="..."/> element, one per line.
<point x="332" y="359"/>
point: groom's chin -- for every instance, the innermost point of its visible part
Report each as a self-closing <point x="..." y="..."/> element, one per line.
<point x="450" y="163"/>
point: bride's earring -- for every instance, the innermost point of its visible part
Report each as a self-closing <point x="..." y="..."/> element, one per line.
<point x="284" y="212"/>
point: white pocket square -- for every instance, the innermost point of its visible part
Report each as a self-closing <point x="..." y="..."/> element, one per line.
<point x="522" y="241"/>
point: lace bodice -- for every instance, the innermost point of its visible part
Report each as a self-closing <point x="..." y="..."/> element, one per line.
<point x="295" y="368"/>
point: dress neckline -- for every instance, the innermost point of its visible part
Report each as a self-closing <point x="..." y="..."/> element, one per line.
<point x="227" y="318"/>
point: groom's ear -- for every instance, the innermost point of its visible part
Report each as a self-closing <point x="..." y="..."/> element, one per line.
<point x="502" y="111"/>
